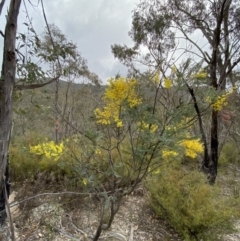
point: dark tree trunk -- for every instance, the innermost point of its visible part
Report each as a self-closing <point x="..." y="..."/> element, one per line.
<point x="7" y="84"/>
<point x="205" y="163"/>
<point x="213" y="164"/>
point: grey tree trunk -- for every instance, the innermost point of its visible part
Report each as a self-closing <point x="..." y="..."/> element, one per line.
<point x="7" y="83"/>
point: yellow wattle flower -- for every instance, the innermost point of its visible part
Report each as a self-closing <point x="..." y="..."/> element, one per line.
<point x="49" y="149"/>
<point x="192" y="147"/>
<point x="222" y="100"/>
<point x="167" y="83"/>
<point x="120" y="94"/>
<point x="167" y="153"/>
<point x="202" y="74"/>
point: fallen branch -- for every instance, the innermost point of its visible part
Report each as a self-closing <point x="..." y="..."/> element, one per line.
<point x="65" y="234"/>
<point x="118" y="236"/>
<point x="79" y="230"/>
<point x="131" y="233"/>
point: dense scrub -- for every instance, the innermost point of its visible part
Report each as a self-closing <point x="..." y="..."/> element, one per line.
<point x="195" y="209"/>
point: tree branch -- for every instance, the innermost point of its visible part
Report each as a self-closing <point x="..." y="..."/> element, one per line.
<point x="2" y="33"/>
<point x="1" y="6"/>
<point x="34" y="86"/>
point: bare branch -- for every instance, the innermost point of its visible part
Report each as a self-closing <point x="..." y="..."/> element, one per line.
<point x="192" y="42"/>
<point x="35" y="86"/>
<point x="49" y="32"/>
<point x="49" y="194"/>
<point x="9" y="213"/>
<point x="2" y="33"/>
<point x="1" y="6"/>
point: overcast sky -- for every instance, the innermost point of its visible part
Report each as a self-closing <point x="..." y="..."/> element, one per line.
<point x="94" y="25"/>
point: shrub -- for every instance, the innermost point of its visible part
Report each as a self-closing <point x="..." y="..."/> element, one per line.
<point x="29" y="158"/>
<point x="191" y="206"/>
<point x="229" y="154"/>
<point x="22" y="165"/>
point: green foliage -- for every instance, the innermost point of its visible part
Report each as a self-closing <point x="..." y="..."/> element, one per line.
<point x="22" y="165"/>
<point x="25" y="165"/>
<point x="229" y="154"/>
<point x="191" y="206"/>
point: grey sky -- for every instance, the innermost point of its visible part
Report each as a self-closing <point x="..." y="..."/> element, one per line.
<point x="94" y="25"/>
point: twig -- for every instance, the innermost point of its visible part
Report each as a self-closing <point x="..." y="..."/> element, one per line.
<point x="65" y="234"/>
<point x="44" y="194"/>
<point x="2" y="33"/>
<point x="7" y="207"/>
<point x="20" y="54"/>
<point x="131" y="233"/>
<point x="79" y="230"/>
<point x="1" y="6"/>
<point x="118" y="236"/>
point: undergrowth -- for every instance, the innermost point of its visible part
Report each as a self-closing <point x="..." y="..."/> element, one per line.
<point x="26" y="166"/>
<point x="196" y="210"/>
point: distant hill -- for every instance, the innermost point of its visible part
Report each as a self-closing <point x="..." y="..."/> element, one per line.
<point x="36" y="110"/>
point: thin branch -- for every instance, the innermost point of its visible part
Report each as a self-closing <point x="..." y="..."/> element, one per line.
<point x="7" y="207"/>
<point x="200" y="123"/>
<point x="35" y="86"/>
<point x="78" y="229"/>
<point x="131" y="233"/>
<point x="233" y="66"/>
<point x="69" y="236"/>
<point x="50" y="194"/>
<point x="2" y="33"/>
<point x="192" y="42"/>
<point x="20" y="54"/>
<point x="1" y="6"/>
<point x="49" y="32"/>
<point x="205" y="29"/>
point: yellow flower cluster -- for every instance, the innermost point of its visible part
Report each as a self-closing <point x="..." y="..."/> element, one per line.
<point x="220" y="103"/>
<point x="221" y="100"/>
<point x="156" y="79"/>
<point x="145" y="126"/>
<point x="166" y="154"/>
<point x="174" y="69"/>
<point x="49" y="149"/>
<point x="98" y="151"/>
<point x="183" y="124"/>
<point x="84" y="181"/>
<point x="167" y="83"/>
<point x="202" y="74"/>
<point x="119" y="94"/>
<point x="121" y="90"/>
<point x="192" y="147"/>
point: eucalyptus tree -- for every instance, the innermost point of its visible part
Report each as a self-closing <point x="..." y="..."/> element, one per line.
<point x="7" y="83"/>
<point x="7" y="86"/>
<point x="29" y="76"/>
<point x="63" y="57"/>
<point x="210" y="31"/>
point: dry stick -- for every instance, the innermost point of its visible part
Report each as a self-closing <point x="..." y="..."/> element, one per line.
<point x="44" y="194"/>
<point x="1" y="6"/>
<point x="78" y="229"/>
<point x="131" y="233"/>
<point x="7" y="207"/>
<point x="2" y="34"/>
<point x="65" y="233"/>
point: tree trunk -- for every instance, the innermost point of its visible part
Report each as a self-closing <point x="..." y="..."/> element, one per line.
<point x="7" y="84"/>
<point x="213" y="164"/>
